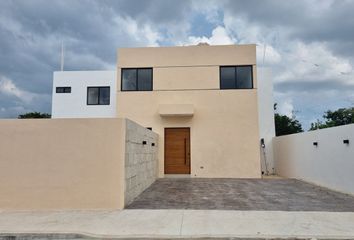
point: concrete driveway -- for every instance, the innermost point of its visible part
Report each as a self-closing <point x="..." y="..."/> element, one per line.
<point x="241" y="194"/>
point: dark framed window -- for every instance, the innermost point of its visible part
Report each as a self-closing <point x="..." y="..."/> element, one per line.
<point x="63" y="89"/>
<point x="98" y="95"/>
<point x="136" y="79"/>
<point x="236" y="77"/>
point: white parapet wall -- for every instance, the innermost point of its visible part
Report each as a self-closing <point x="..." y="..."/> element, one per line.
<point x="74" y="104"/>
<point x="329" y="164"/>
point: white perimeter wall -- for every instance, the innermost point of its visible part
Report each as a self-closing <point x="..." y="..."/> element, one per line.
<point x="266" y="116"/>
<point x="73" y="105"/>
<point x="330" y="164"/>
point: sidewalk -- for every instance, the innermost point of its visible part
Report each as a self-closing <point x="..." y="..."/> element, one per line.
<point x="182" y="223"/>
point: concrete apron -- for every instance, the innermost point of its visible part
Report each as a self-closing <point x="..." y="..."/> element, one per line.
<point x="179" y="224"/>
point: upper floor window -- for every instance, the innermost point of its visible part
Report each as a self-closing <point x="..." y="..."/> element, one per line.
<point x="236" y="77"/>
<point x="63" y="89"/>
<point x="98" y="95"/>
<point x="136" y="79"/>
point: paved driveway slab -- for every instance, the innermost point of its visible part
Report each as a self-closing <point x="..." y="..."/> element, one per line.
<point x="241" y="194"/>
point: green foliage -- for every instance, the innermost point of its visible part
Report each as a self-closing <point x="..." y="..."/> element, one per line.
<point x="317" y="125"/>
<point x="339" y="117"/>
<point x="34" y="115"/>
<point x="285" y="125"/>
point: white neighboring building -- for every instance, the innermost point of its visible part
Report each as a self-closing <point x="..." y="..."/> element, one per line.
<point x="84" y="94"/>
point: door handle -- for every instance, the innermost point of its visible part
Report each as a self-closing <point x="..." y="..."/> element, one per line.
<point x="185" y="151"/>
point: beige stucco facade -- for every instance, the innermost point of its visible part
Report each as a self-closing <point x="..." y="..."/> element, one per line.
<point x="74" y="163"/>
<point x="62" y="164"/>
<point x="223" y="123"/>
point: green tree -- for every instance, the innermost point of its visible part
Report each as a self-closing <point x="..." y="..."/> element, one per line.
<point x="341" y="116"/>
<point x="34" y="115"/>
<point x="317" y="125"/>
<point x="285" y="125"/>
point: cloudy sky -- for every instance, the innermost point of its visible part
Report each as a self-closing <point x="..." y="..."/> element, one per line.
<point x="308" y="44"/>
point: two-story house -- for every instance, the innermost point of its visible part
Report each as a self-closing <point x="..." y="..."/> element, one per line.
<point x="201" y="100"/>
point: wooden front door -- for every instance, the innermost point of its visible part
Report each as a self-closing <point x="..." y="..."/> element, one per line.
<point x="177" y="151"/>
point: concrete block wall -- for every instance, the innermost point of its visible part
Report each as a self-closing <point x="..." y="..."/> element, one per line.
<point x="141" y="160"/>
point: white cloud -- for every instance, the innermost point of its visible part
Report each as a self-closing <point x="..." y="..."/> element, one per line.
<point x="143" y="34"/>
<point x="9" y="88"/>
<point x="15" y="100"/>
<point x="267" y="55"/>
<point x="210" y="10"/>
<point x="286" y="107"/>
<point x="247" y="32"/>
<point x="84" y="59"/>
<point x="291" y="59"/>
<point x="313" y="62"/>
<point x="219" y="36"/>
